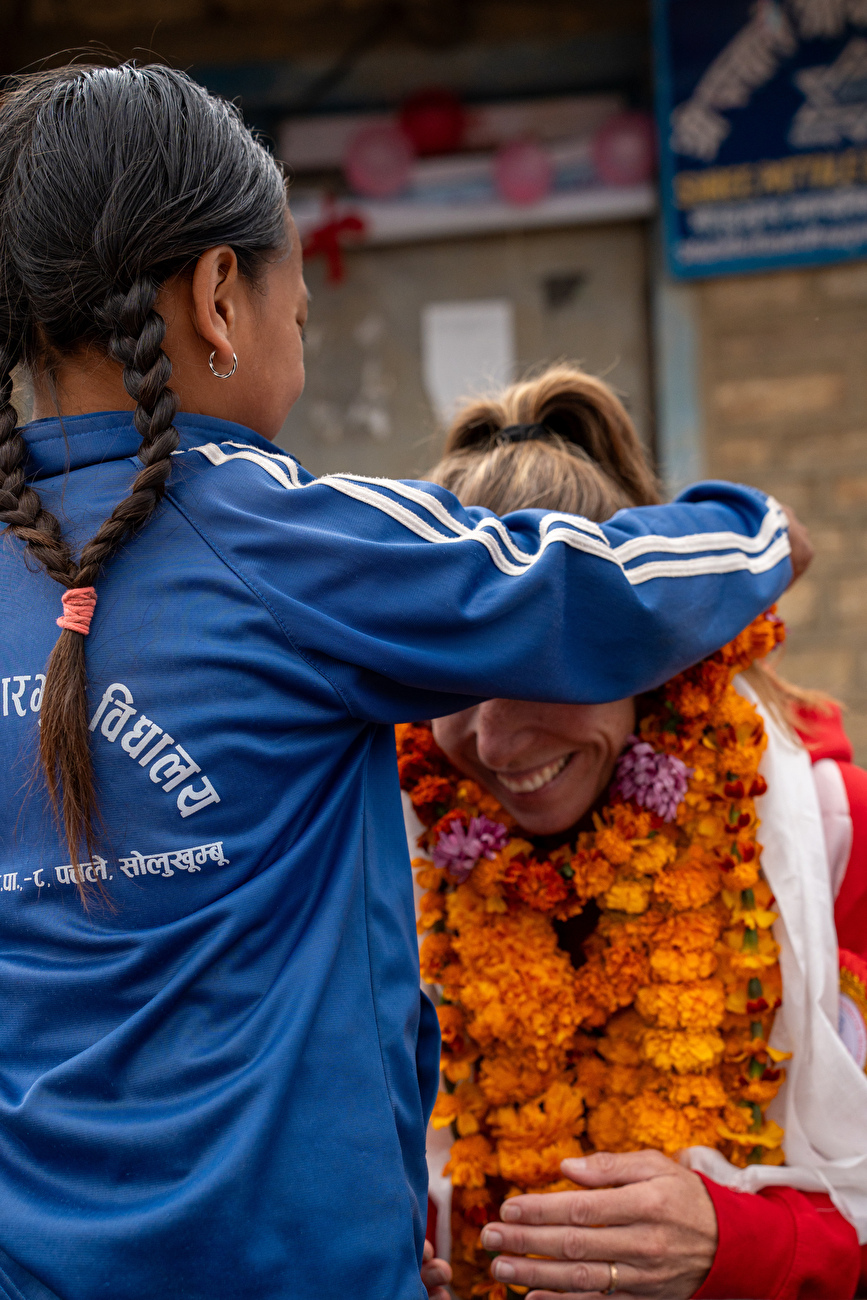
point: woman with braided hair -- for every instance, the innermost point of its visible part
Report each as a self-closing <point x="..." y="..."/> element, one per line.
<point x="215" y="1068"/>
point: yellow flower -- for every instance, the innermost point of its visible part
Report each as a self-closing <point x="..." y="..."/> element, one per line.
<point x="491" y="809"/>
<point x="703" y="1090"/>
<point x="518" y="986"/>
<point x="609" y="981"/>
<point x="769" y="1135"/>
<point x="653" y="1122"/>
<point x="680" y="1050"/>
<point x="736" y="999"/>
<point x="468" y="794"/>
<point x="592" y="873"/>
<point x="427" y="875"/>
<point x="674" y="966"/>
<point x="763" y="1091"/>
<point x="445" y="1110"/>
<point x="505" y="1077"/>
<point x="532" y="1139"/>
<point x="435" y="957"/>
<point x="652" y="856"/>
<point x="709" y="826"/>
<point x="607" y="1127"/>
<point x="628" y="1080"/>
<point x="472" y="1159"/>
<point x="628" y="896"/>
<point x="698" y="1005"/>
<point x="456" y="1070"/>
<point x="750" y="953"/>
<point x="431" y="909"/>
<point x="592" y="1075"/>
<point x="744" y="875"/>
<point x="558" y="1112"/>
<point x="466" y="1106"/>
<point x="530" y="1165"/>
<point x="687" y="885"/>
<point x="690" y="931"/>
<point x="613" y="847"/>
<point x="756" y="917"/>
<point x="622" y="1040"/>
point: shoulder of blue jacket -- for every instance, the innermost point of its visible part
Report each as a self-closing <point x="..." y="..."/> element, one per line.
<point x="281" y="467"/>
<point x="419" y="509"/>
<point x="428" y="513"/>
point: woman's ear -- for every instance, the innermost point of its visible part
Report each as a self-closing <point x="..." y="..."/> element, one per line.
<point x="215" y="290"/>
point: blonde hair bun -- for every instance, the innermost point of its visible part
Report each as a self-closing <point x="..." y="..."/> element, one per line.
<point x="569" y="446"/>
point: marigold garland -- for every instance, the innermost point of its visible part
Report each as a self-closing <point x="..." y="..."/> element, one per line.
<point x="660" y="1039"/>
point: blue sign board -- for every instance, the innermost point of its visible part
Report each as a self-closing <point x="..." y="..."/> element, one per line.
<point x="762" y="112"/>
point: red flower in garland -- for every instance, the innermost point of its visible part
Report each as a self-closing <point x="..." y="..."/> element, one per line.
<point x="538" y="884"/>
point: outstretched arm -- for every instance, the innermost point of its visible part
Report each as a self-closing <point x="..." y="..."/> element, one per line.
<point x="413" y="606"/>
<point x="430" y="606"/>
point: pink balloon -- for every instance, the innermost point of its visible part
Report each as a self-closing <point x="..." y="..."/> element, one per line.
<point x="378" y="161"/>
<point x="624" y="149"/>
<point x="523" y="172"/>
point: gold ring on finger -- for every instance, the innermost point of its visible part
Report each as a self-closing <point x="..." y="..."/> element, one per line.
<point x="612" y="1284"/>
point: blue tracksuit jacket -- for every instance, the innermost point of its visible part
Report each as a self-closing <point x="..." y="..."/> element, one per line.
<point x="218" y="1088"/>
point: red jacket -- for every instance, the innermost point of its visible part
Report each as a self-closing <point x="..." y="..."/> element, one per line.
<point x="784" y="1244"/>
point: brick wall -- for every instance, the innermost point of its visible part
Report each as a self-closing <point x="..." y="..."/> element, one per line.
<point x="784" y="384"/>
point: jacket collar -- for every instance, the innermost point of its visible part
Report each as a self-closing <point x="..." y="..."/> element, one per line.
<point x="56" y="445"/>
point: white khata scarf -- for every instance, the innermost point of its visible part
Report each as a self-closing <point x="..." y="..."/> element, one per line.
<point x="823" y="1102"/>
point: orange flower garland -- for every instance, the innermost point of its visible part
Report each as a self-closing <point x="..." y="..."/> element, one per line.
<point x="656" y="1034"/>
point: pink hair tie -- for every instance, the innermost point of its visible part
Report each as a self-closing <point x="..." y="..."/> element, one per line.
<point x="78" y="606"/>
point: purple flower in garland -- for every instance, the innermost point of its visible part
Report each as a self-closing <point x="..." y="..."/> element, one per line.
<point x="656" y="781"/>
<point x="458" y="850"/>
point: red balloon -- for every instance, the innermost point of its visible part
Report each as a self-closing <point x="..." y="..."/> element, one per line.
<point x="624" y="149"/>
<point x="434" y="120"/>
<point x="378" y="161"/>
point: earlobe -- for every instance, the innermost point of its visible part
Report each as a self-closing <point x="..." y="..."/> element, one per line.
<point x="214" y="286"/>
<point x="219" y="374"/>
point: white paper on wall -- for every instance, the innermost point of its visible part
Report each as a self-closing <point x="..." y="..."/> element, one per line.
<point x="467" y="348"/>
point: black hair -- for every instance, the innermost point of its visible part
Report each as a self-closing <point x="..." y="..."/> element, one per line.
<point x="112" y="180"/>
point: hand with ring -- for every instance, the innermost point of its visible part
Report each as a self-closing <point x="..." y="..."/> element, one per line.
<point x="643" y="1226"/>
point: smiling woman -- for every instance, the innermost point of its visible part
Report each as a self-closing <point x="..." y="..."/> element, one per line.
<point x="581" y="890"/>
<point x="546" y="763"/>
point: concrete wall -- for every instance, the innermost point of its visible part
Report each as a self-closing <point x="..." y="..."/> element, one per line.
<point x="784" y="387"/>
<point x="578" y="294"/>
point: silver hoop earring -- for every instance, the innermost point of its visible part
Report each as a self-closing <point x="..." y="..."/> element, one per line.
<point x="216" y="373"/>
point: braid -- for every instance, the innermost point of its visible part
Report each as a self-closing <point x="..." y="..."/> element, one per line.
<point x="20" y="507"/>
<point x="136" y="342"/>
<point x="64" y="709"/>
<point x="147" y="173"/>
